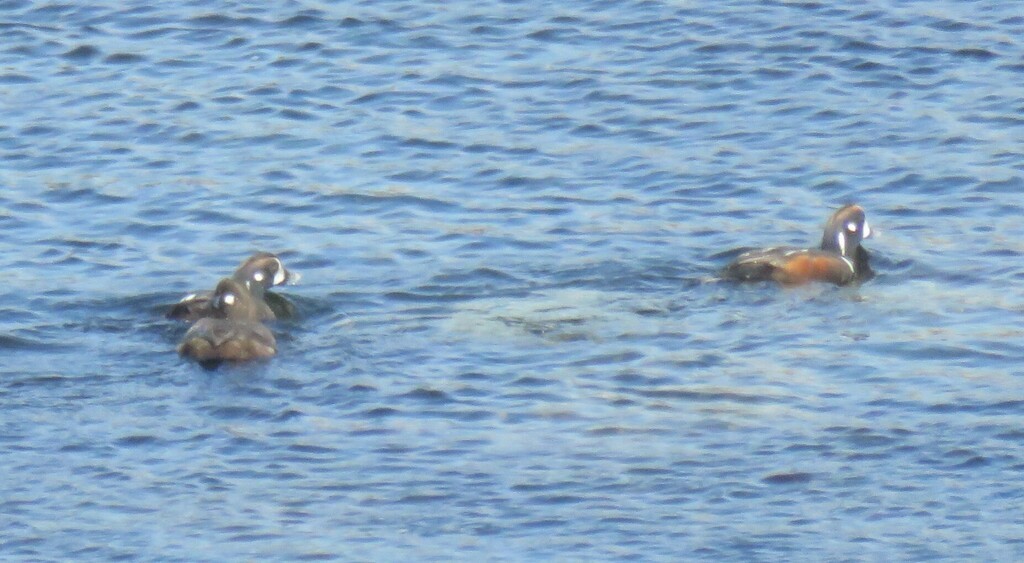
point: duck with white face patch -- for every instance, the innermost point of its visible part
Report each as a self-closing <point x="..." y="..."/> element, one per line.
<point x="258" y="273"/>
<point x="840" y="259"/>
<point x="263" y="270"/>
<point x="232" y="331"/>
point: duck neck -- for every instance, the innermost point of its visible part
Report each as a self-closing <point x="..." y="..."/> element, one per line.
<point x="837" y="243"/>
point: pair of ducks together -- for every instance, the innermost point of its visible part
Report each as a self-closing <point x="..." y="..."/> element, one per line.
<point x="229" y="320"/>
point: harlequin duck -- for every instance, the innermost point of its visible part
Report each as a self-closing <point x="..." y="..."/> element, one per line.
<point x="840" y="260"/>
<point x="232" y="330"/>
<point x="258" y="273"/>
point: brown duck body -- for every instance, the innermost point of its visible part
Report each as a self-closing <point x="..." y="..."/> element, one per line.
<point x="233" y="331"/>
<point x="840" y="260"/>
<point x="227" y="339"/>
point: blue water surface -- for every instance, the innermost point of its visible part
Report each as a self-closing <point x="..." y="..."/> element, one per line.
<point x="511" y="343"/>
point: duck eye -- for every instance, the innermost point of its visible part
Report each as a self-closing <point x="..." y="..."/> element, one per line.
<point x="852" y="227"/>
<point x="228" y="299"/>
<point x="258" y="276"/>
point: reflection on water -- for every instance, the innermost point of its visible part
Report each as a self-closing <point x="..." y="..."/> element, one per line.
<point x="553" y="316"/>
